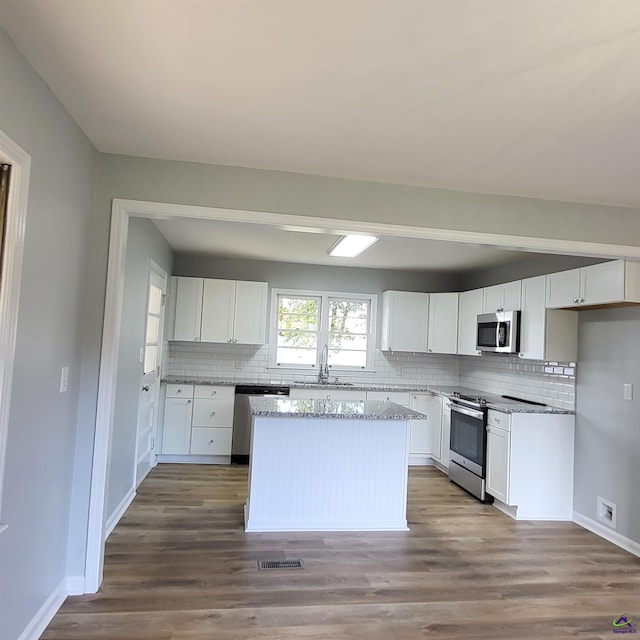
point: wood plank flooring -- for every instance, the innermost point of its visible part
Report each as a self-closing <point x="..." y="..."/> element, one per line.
<point x="179" y="566"/>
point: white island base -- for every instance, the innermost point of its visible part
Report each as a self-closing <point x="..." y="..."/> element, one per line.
<point x="327" y="474"/>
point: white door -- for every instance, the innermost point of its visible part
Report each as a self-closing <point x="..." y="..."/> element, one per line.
<point x="150" y="384"/>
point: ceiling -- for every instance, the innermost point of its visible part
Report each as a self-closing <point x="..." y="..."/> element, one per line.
<point x="537" y="99"/>
<point x="252" y="241"/>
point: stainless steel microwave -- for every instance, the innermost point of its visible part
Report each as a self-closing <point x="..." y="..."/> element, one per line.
<point x="498" y="332"/>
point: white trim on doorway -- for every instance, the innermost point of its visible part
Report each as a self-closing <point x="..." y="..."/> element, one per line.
<point x="20" y="162"/>
<point x="122" y="210"/>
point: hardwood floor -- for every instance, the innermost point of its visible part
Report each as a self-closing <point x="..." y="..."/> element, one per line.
<point x="180" y="567"/>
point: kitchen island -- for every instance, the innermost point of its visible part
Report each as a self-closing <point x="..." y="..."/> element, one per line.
<point x="322" y="465"/>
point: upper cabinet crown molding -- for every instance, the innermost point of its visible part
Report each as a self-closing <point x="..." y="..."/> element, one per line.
<point x="608" y="283"/>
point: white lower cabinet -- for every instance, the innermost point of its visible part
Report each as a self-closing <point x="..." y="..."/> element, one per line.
<point x="198" y="420"/>
<point x="530" y="464"/>
<point x="176" y="432"/>
<point x="498" y="458"/>
<point x="211" y="441"/>
<point x="445" y="444"/>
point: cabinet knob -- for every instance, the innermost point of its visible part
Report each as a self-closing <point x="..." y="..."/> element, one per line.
<point x="497" y="420"/>
<point x="210" y="441"/>
<point x="196" y="339"/>
<point x="235" y="340"/>
<point x="228" y="339"/>
<point x="213" y="413"/>
<point x="430" y="350"/>
<point x="179" y="391"/>
<point x="146" y="387"/>
<point x="213" y="393"/>
<point x="188" y="401"/>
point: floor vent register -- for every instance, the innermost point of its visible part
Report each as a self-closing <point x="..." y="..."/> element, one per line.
<point x="280" y="564"/>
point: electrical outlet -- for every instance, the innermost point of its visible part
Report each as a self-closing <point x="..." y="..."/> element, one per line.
<point x="606" y="512"/>
<point x="627" y="391"/>
<point x="64" y="379"/>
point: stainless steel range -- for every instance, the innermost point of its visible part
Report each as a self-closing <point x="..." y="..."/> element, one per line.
<point x="468" y="446"/>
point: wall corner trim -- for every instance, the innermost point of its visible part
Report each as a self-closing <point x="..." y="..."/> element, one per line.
<point x="608" y="534"/>
<point x="45" y="614"/>
<point x="75" y="585"/>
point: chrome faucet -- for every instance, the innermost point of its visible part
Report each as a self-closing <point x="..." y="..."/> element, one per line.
<point x="323" y="373"/>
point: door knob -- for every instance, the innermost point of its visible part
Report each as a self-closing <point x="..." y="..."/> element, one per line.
<point x="146" y="387"/>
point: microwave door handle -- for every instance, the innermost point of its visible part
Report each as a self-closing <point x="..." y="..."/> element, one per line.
<point x="498" y="323"/>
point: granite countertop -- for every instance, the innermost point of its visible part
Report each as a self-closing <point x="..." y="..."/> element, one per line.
<point x="493" y="401"/>
<point x="368" y="410"/>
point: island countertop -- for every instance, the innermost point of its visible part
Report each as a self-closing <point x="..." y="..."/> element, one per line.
<point x="324" y="408"/>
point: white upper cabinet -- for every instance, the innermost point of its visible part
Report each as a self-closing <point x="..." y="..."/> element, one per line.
<point x="405" y="315"/>
<point x="188" y="306"/>
<point x="211" y="310"/>
<point x="442" y="334"/>
<point x="469" y="308"/>
<point x="234" y="311"/>
<point x="605" y="283"/>
<point x="502" y="297"/>
<point x="546" y="334"/>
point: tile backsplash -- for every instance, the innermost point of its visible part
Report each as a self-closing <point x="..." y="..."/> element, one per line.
<point x="552" y="383"/>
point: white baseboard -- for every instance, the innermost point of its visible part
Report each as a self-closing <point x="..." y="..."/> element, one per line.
<point x="75" y="585"/>
<point x="416" y="460"/>
<point x="114" y="518"/>
<point x="45" y="614"/>
<point x="192" y="459"/>
<point x="608" y="534"/>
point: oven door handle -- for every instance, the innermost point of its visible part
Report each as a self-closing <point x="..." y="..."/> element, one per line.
<point x="468" y="412"/>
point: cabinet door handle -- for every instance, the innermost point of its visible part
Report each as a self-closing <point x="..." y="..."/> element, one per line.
<point x="497" y="420"/>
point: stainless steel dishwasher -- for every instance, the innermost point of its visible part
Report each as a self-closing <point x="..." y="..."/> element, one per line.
<point x="241" y="438"/>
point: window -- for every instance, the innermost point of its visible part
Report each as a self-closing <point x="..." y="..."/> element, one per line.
<point x="153" y="330"/>
<point x="303" y="322"/>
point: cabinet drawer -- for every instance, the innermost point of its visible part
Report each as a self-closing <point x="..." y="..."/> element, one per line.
<point x="399" y="397"/>
<point x="209" y="392"/>
<point x="179" y="391"/>
<point x="212" y="413"/>
<point x="499" y="419"/>
<point x="211" y="441"/>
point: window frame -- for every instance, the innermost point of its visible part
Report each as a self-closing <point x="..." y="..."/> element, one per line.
<point x="323" y="331"/>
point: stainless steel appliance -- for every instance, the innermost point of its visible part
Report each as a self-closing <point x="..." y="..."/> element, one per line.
<point x="241" y="437"/>
<point x="498" y="332"/>
<point x="468" y="445"/>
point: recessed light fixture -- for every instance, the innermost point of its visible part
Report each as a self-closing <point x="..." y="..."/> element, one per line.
<point x="350" y="246"/>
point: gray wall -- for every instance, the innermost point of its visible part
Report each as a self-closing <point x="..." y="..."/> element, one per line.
<point x="608" y="427"/>
<point x="306" y="276"/>
<point x="258" y="190"/>
<point x="42" y="430"/>
<point x="144" y="243"/>
<point x="529" y="266"/>
<point x="315" y="277"/>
